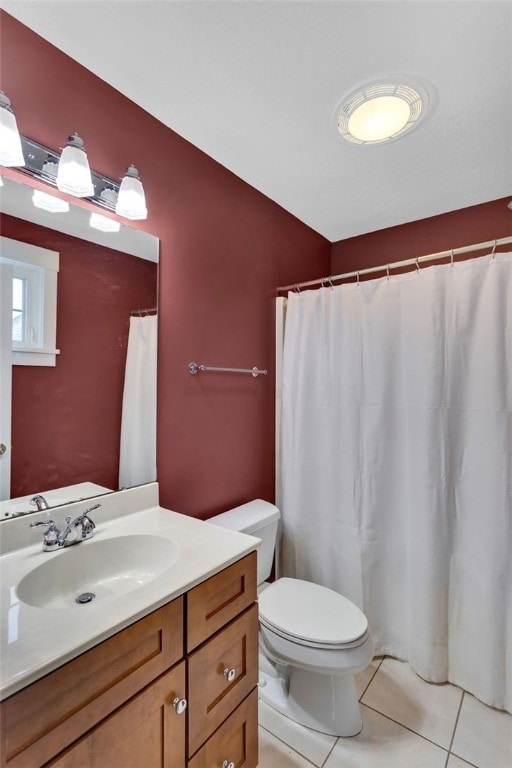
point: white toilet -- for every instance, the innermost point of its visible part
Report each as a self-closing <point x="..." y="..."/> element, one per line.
<point x="312" y="639"/>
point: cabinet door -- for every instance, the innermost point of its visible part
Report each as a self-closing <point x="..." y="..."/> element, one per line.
<point x="146" y="732"/>
<point x="236" y="741"/>
<point x="221" y="673"/>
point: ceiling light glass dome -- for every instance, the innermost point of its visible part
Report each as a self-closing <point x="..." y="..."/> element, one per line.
<point x="381" y="111"/>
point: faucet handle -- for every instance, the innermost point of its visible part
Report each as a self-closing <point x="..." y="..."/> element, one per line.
<point x="51" y="538"/>
<point x="91" y="509"/>
<point x="87" y="524"/>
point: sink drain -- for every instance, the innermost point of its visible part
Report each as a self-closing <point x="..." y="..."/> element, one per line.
<point x="85" y="597"/>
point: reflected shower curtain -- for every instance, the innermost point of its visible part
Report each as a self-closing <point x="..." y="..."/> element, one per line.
<point x="397" y="463"/>
<point x="137" y="461"/>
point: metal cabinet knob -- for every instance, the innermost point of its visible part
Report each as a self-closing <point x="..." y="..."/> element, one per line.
<point x="179" y="705"/>
<point x="228" y="764"/>
<point x="229" y="674"/>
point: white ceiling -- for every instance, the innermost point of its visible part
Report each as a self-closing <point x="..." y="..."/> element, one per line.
<point x="254" y="84"/>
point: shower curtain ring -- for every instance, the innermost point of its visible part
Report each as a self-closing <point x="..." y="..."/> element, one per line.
<point x="330" y="283"/>
<point x="387" y="271"/>
<point x="451" y="257"/>
<point x="417" y="266"/>
<point x="494" y="249"/>
<point x="358" y="278"/>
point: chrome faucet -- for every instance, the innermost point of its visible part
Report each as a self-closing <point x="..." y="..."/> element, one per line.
<point x="82" y="527"/>
<point x="39" y="502"/>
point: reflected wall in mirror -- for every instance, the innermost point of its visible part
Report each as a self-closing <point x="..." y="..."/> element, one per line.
<point x="66" y="419"/>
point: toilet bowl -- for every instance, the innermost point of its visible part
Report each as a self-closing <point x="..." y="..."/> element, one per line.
<point x="312" y="639"/>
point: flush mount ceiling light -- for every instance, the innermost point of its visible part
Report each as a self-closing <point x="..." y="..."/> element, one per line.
<point x="381" y="111"/>
<point x="131" y="202"/>
<point x="11" y="153"/>
<point x="74" y="174"/>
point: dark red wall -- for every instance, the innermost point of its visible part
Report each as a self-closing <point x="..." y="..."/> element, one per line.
<point x="66" y="419"/>
<point x="224" y="248"/>
<point x="477" y="224"/>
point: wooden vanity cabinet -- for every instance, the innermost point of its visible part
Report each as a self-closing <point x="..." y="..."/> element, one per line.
<point x="47" y="716"/>
<point x="113" y="705"/>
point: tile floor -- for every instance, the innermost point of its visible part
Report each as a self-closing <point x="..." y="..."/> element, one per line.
<point x="407" y="723"/>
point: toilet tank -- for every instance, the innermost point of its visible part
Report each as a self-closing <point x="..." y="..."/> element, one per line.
<point x="258" y="518"/>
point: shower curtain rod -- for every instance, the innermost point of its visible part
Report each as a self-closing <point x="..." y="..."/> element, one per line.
<point x="142" y="312"/>
<point x="407" y="262"/>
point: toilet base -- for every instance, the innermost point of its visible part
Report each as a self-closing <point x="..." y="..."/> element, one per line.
<point x="324" y="703"/>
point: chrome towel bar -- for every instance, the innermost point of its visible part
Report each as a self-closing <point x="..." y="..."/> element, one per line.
<point x="194" y="368"/>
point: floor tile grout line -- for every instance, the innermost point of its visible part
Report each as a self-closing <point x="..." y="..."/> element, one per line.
<point x="292" y="748"/>
<point x="406" y="727"/>
<point x="473" y="765"/>
<point x="330" y="752"/>
<point x="456" y="722"/>
<point x="371" y="678"/>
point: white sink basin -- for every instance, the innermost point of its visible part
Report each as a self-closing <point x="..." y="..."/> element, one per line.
<point x="104" y="568"/>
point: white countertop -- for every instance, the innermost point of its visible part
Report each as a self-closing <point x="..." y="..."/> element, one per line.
<point x="35" y="641"/>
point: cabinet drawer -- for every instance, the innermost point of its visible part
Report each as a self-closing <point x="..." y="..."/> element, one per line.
<point x="235" y="741"/>
<point x="146" y="731"/>
<point x="219" y="599"/>
<point x="87" y="689"/>
<point x="211" y="695"/>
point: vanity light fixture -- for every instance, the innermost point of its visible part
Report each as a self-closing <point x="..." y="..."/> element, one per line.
<point x="381" y="111"/>
<point x="131" y="202"/>
<point x="49" y="202"/>
<point x="45" y="165"/>
<point x="11" y="153"/>
<point x="74" y="174"/>
<point x="97" y="221"/>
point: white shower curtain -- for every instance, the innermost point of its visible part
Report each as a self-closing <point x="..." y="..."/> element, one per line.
<point x="137" y="461"/>
<point x="397" y="463"/>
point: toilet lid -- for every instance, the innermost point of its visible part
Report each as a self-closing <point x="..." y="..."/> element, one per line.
<point x="311" y="612"/>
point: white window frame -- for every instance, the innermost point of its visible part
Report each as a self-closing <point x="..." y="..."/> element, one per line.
<point x="40" y="267"/>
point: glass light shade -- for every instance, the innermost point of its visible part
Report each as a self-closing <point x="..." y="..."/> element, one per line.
<point x="49" y="202"/>
<point x="11" y="153"/>
<point x="74" y="174"/>
<point x="131" y="202"/>
<point x="379" y="118"/>
<point x="103" y="223"/>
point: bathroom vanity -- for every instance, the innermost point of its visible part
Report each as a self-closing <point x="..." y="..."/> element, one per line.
<point x="172" y="685"/>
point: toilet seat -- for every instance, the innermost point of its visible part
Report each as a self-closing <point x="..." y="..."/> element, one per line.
<point x="311" y="615"/>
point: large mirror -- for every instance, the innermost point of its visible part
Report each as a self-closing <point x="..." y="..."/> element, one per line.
<point x="63" y="439"/>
